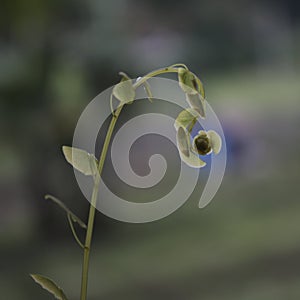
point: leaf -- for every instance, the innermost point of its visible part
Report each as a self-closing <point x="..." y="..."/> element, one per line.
<point x="67" y="210"/>
<point x="49" y="285"/>
<point x="81" y="160"/>
<point x="186" y="119"/>
<point x="124" y="91"/>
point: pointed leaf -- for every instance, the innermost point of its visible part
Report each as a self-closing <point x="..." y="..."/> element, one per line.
<point x="67" y="210"/>
<point x="49" y="285"/>
<point x="81" y="160"/>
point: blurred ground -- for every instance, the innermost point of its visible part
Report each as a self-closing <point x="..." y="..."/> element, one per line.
<point x="56" y="56"/>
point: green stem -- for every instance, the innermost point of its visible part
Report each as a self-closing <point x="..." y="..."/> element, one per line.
<point x="90" y="225"/>
<point x="170" y="69"/>
<point x="91" y="218"/>
<point x="74" y="231"/>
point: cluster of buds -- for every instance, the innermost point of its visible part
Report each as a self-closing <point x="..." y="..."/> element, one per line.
<point x="191" y="148"/>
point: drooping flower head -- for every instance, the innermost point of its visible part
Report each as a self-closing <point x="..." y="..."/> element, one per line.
<point x="204" y="142"/>
<point x="193" y="89"/>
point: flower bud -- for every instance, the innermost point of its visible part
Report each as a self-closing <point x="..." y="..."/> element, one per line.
<point x="202" y="144"/>
<point x="189" y="82"/>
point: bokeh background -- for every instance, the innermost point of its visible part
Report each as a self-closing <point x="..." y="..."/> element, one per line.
<point x="56" y="56"/>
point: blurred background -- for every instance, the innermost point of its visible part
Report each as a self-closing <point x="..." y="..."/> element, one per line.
<point x="56" y="56"/>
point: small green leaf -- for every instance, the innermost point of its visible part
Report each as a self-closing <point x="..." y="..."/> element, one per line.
<point x="81" y="160"/>
<point x="186" y="119"/>
<point x="124" y="91"/>
<point x="50" y="286"/>
<point x="67" y="210"/>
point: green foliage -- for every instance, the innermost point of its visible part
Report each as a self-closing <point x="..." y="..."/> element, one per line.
<point x="73" y="217"/>
<point x="81" y="160"/>
<point x="87" y="163"/>
<point x="50" y="286"/>
<point x="203" y="143"/>
<point x="124" y="90"/>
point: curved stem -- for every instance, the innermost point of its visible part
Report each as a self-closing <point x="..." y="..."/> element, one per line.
<point x="91" y="218"/>
<point x="90" y="225"/>
<point x="74" y="231"/>
<point x="179" y="65"/>
<point x="155" y="73"/>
